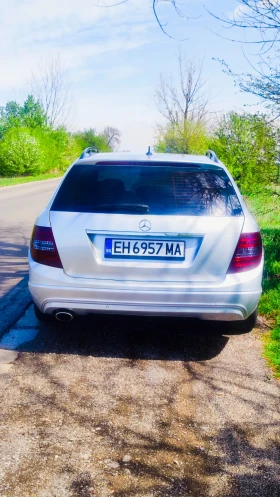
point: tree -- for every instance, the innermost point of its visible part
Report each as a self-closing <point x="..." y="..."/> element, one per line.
<point x="184" y="100"/>
<point x="30" y="115"/>
<point x="51" y="87"/>
<point x="190" y="138"/>
<point x="264" y="83"/>
<point x="154" y="3"/>
<point x="12" y="110"/>
<point x="256" y="15"/>
<point x="90" y="138"/>
<point x="261" y="17"/>
<point x="28" y="145"/>
<point x="248" y="144"/>
<point x="112" y="136"/>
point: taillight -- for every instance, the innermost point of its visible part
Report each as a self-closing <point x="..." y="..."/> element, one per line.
<point x="248" y="253"/>
<point x="43" y="248"/>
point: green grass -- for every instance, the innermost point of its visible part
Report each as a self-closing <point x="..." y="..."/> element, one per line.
<point x="272" y="349"/>
<point x="265" y="206"/>
<point x="27" y="179"/>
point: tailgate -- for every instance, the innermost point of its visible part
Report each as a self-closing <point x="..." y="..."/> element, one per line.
<point x="206" y="246"/>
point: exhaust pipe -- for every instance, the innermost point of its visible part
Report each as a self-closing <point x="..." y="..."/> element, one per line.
<point x="64" y="316"/>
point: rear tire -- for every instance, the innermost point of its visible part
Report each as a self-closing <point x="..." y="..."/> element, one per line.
<point x="246" y="325"/>
<point x="41" y="316"/>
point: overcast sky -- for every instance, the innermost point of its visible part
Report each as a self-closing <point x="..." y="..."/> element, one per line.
<point x="114" y="57"/>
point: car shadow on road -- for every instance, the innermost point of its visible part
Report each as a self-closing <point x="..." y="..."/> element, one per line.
<point x="176" y="457"/>
<point x="150" y="338"/>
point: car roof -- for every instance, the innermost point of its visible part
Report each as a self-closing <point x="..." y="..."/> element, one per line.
<point x="127" y="156"/>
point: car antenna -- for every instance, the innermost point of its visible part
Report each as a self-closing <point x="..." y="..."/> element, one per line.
<point x="149" y="153"/>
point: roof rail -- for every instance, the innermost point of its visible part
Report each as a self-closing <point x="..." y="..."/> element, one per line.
<point x="88" y="152"/>
<point x="212" y="156"/>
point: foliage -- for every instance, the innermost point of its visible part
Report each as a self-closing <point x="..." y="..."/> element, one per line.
<point x="20" y="153"/>
<point x="33" y="115"/>
<point x="182" y="138"/>
<point x="183" y="102"/>
<point x="72" y="151"/>
<point x="55" y="145"/>
<point x="30" y="146"/>
<point x="29" y="115"/>
<point x="263" y="83"/>
<point x="248" y="144"/>
<point x="36" y="150"/>
<point x="90" y="138"/>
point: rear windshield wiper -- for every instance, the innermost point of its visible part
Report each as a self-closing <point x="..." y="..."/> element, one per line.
<point x="141" y="208"/>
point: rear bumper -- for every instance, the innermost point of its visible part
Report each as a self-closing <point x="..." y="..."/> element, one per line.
<point x="222" y="310"/>
<point x="233" y="299"/>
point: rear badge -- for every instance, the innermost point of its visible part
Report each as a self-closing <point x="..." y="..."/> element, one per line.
<point x="145" y="225"/>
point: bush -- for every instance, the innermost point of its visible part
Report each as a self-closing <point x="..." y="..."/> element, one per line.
<point x="90" y="138"/>
<point x="28" y="146"/>
<point x="248" y="145"/>
<point x="53" y="144"/>
<point x="25" y="151"/>
<point x="20" y="153"/>
<point x="182" y="138"/>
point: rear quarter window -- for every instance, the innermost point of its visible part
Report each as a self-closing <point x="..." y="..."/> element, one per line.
<point x="156" y="188"/>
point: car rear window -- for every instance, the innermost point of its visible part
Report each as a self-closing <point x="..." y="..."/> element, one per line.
<point x="155" y="189"/>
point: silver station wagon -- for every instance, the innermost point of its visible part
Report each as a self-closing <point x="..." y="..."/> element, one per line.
<point x="159" y="234"/>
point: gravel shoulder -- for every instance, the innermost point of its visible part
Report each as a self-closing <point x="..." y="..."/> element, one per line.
<point x="129" y="407"/>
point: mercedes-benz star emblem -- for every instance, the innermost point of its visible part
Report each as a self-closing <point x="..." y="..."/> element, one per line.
<point x="145" y="225"/>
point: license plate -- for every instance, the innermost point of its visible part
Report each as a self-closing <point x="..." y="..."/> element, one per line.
<point x="144" y="249"/>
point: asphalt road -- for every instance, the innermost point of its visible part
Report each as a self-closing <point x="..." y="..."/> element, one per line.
<point x="19" y="207"/>
<point x="126" y="406"/>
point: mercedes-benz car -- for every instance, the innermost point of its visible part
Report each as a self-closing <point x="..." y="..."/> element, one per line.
<point x="155" y="234"/>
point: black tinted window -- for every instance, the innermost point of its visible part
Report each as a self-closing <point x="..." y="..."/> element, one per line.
<point x="149" y="189"/>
